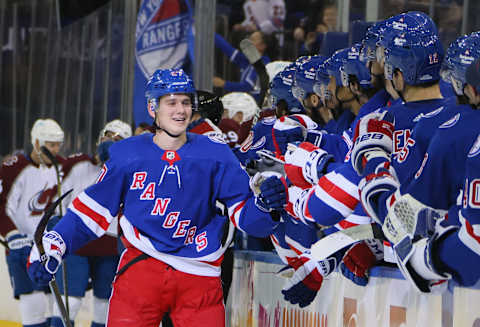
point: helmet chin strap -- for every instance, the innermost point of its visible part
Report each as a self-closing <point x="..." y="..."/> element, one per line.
<point x="163" y="129"/>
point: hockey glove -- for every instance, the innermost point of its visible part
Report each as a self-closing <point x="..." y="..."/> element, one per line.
<point x="373" y="138"/>
<point x="287" y="130"/>
<point x="305" y="164"/>
<point x="358" y="260"/>
<point x="303" y="286"/>
<point x="19" y="246"/>
<point x="41" y="271"/>
<point x="273" y="194"/>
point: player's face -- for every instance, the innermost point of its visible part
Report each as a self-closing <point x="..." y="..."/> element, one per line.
<point x="53" y="148"/>
<point x="174" y="112"/>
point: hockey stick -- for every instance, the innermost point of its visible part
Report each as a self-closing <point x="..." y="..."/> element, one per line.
<point x="5" y="244"/>
<point x="255" y="59"/>
<point x="334" y="242"/>
<point x="42" y="225"/>
<point x="54" y="161"/>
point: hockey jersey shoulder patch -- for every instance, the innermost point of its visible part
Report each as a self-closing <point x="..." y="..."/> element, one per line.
<point x="430" y="114"/>
<point x="451" y="122"/>
<point x="216" y="138"/>
<point x="475" y="148"/>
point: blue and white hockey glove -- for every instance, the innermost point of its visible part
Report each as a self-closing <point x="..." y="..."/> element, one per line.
<point x="288" y="129"/>
<point x="358" y="260"/>
<point x="40" y="272"/>
<point x="273" y="194"/>
<point x="303" y="286"/>
<point x="305" y="164"/>
<point x="19" y="246"/>
<point x="373" y="138"/>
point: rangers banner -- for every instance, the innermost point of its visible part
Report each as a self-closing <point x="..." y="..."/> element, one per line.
<point x="162" y="41"/>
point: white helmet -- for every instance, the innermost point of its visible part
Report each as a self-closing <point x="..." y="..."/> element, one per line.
<point x="118" y="127"/>
<point x="275" y="67"/>
<point x="234" y="102"/>
<point x="46" y="130"/>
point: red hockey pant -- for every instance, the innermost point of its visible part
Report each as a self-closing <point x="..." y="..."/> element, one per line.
<point x="149" y="288"/>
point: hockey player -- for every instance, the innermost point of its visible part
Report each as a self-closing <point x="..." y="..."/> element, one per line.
<point x="206" y="119"/>
<point x="97" y="261"/>
<point x="28" y="185"/>
<point x="445" y="250"/>
<point x="240" y="110"/>
<point x="168" y="184"/>
<point x="302" y="89"/>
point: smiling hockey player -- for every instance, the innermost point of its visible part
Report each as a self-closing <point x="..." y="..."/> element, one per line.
<point x="167" y="185"/>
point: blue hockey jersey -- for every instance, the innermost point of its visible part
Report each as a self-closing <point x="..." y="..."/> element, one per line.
<point x="440" y="176"/>
<point x="168" y="202"/>
<point x="459" y="251"/>
<point x="411" y="155"/>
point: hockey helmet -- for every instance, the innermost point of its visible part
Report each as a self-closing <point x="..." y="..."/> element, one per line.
<point x="235" y="102"/>
<point x="275" y="67"/>
<point x="355" y="64"/>
<point x="46" y="130"/>
<point x="305" y="77"/>
<point x="281" y="89"/>
<point x="168" y="81"/>
<point x="120" y="130"/>
<point x="210" y="106"/>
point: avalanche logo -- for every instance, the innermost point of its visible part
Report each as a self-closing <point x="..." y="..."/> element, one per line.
<point x="38" y="202"/>
<point x="161" y="34"/>
<point x="451" y="122"/>
<point x="475" y="148"/>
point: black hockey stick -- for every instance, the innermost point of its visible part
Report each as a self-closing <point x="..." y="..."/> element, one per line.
<point x="334" y="242"/>
<point x="54" y="161"/>
<point x="4" y="243"/>
<point x="37" y="237"/>
<point x="255" y="59"/>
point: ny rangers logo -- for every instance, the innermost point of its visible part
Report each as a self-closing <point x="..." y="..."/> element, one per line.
<point x="161" y="34"/>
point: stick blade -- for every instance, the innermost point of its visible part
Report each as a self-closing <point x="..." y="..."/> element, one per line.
<point x="334" y="242"/>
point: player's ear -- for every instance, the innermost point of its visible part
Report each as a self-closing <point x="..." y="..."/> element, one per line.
<point x="398" y="81"/>
<point x="314" y="100"/>
<point x="152" y="106"/>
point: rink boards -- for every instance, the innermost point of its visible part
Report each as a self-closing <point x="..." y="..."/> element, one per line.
<point x="388" y="300"/>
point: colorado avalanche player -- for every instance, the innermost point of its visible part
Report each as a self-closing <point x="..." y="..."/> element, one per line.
<point x="167" y="185"/>
<point x="98" y="259"/>
<point x="28" y="185"/>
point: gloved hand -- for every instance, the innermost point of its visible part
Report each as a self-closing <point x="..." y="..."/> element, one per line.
<point x="40" y="271"/>
<point x="373" y="138"/>
<point x="358" y="260"/>
<point x="273" y="194"/>
<point x="303" y="286"/>
<point x="286" y="130"/>
<point x="19" y="246"/>
<point x="305" y="164"/>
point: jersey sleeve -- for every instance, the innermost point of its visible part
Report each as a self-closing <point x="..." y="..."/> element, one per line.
<point x="234" y="191"/>
<point x="334" y="197"/>
<point x="233" y="54"/>
<point x="10" y="193"/>
<point x="459" y="251"/>
<point x="91" y="212"/>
